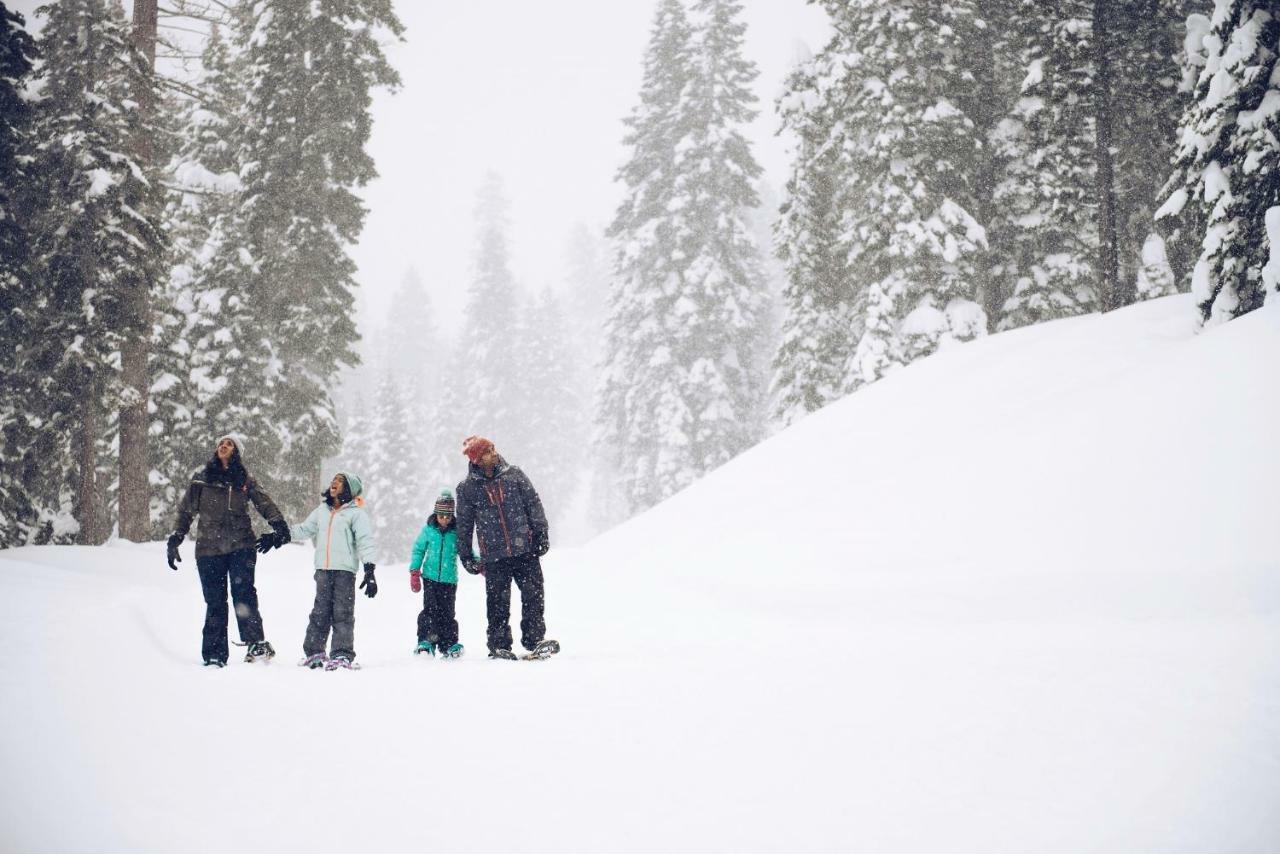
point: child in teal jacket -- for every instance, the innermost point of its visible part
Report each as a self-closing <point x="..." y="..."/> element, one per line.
<point x="433" y="570"/>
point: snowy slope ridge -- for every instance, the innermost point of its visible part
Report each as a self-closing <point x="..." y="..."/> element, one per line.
<point x="1023" y="596"/>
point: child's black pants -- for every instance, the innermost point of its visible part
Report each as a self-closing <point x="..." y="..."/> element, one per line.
<point x="436" y="622"/>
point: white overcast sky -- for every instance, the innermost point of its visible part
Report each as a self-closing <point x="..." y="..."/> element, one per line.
<point x="535" y="91"/>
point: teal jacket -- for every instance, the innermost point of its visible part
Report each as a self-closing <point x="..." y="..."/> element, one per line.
<point x="435" y="552"/>
<point x="343" y="535"/>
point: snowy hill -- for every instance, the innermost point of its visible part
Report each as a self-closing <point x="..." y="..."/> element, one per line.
<point x="1023" y="596"/>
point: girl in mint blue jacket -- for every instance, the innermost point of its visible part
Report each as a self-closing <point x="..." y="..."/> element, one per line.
<point x="344" y="540"/>
<point x="433" y="570"/>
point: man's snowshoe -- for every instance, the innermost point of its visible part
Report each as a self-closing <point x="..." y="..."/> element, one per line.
<point x="260" y="651"/>
<point x="341" y="662"/>
<point x="214" y="662"/>
<point x="505" y="654"/>
<point x="454" y="651"/>
<point x="544" y="650"/>
<point x="426" y="648"/>
<point x="315" y="662"/>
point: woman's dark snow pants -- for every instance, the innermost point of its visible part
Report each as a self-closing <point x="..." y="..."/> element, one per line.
<point x="215" y="571"/>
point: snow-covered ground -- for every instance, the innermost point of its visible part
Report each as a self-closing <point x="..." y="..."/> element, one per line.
<point x="1023" y="596"/>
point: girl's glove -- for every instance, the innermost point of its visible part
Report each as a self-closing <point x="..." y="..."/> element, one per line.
<point x="370" y="584"/>
<point x="415" y="581"/>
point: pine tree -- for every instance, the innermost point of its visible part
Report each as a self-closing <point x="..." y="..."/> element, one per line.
<point x="822" y="309"/>
<point x="722" y="283"/>
<point x="393" y="474"/>
<point x="190" y="362"/>
<point x="310" y="66"/>
<point x="95" y="242"/>
<point x="23" y="509"/>
<point x="679" y="394"/>
<point x="485" y="393"/>
<point x="638" y="371"/>
<point x="1229" y="159"/>
<point x="1049" y="188"/>
<point x="910" y="153"/>
<point x="555" y="403"/>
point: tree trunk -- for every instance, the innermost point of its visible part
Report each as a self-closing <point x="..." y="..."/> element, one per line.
<point x="90" y="512"/>
<point x="986" y="110"/>
<point x="1110" y="292"/>
<point x="135" y="469"/>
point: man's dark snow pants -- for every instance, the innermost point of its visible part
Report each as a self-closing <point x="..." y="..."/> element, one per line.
<point x="526" y="572"/>
<point x="335" y="607"/>
<point x="215" y="571"/>
<point x="436" y="621"/>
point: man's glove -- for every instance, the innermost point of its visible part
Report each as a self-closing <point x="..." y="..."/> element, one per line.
<point x="470" y="565"/>
<point x="175" y="540"/>
<point x="541" y="543"/>
<point x="370" y="584"/>
<point x="267" y="542"/>
<point x="415" y="581"/>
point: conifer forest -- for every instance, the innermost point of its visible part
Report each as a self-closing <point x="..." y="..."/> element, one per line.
<point x="181" y="190"/>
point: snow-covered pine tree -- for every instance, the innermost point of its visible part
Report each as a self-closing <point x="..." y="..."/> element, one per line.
<point x="910" y="155"/>
<point x="486" y="369"/>
<point x="23" y="510"/>
<point x="190" y="361"/>
<point x="822" y="312"/>
<point x="1229" y="159"/>
<point x="1148" y="102"/>
<point x="393" y="473"/>
<point x="310" y="66"/>
<point x="95" y="239"/>
<point x="556" y="427"/>
<point x="1048" y="188"/>
<point x="722" y="287"/>
<point x="637" y="418"/>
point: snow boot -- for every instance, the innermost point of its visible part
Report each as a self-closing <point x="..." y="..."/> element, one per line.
<point x="425" y="648"/>
<point x="214" y="662"/>
<point x="340" y="662"/>
<point x="454" y="651"/>
<point x="260" y="651"/>
<point x="315" y="662"/>
<point x="505" y="654"/>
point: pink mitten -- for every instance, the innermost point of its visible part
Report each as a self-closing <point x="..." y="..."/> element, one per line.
<point x="415" y="581"/>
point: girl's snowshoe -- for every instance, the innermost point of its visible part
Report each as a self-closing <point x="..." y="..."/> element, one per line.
<point x="426" y="648"/>
<point x="341" y="662"/>
<point x="454" y="651"/>
<point x="315" y="662"/>
<point x="544" y="650"/>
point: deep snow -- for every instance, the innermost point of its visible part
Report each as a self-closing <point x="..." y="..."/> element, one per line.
<point x="1022" y="596"/>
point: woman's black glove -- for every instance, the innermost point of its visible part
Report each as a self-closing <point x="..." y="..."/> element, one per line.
<point x="175" y="540"/>
<point x="267" y="542"/>
<point x="281" y="527"/>
<point x="370" y="584"/>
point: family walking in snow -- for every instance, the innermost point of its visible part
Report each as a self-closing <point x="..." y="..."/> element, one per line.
<point x="496" y="504"/>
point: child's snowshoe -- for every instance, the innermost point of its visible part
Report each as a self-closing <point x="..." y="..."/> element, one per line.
<point x="454" y="651"/>
<point x="214" y="662"/>
<point x="315" y="662"/>
<point x="426" y="648"/>
<point x="504" y="654"/>
<point x="260" y="651"/>
<point x="341" y="662"/>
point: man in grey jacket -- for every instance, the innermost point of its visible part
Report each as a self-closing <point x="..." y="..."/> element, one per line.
<point x="499" y="506"/>
<point x="219" y="497"/>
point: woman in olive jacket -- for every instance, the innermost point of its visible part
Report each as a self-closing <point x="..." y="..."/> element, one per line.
<point x="218" y="498"/>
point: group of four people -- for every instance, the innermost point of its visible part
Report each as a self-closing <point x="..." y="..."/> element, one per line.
<point x="496" y="503"/>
